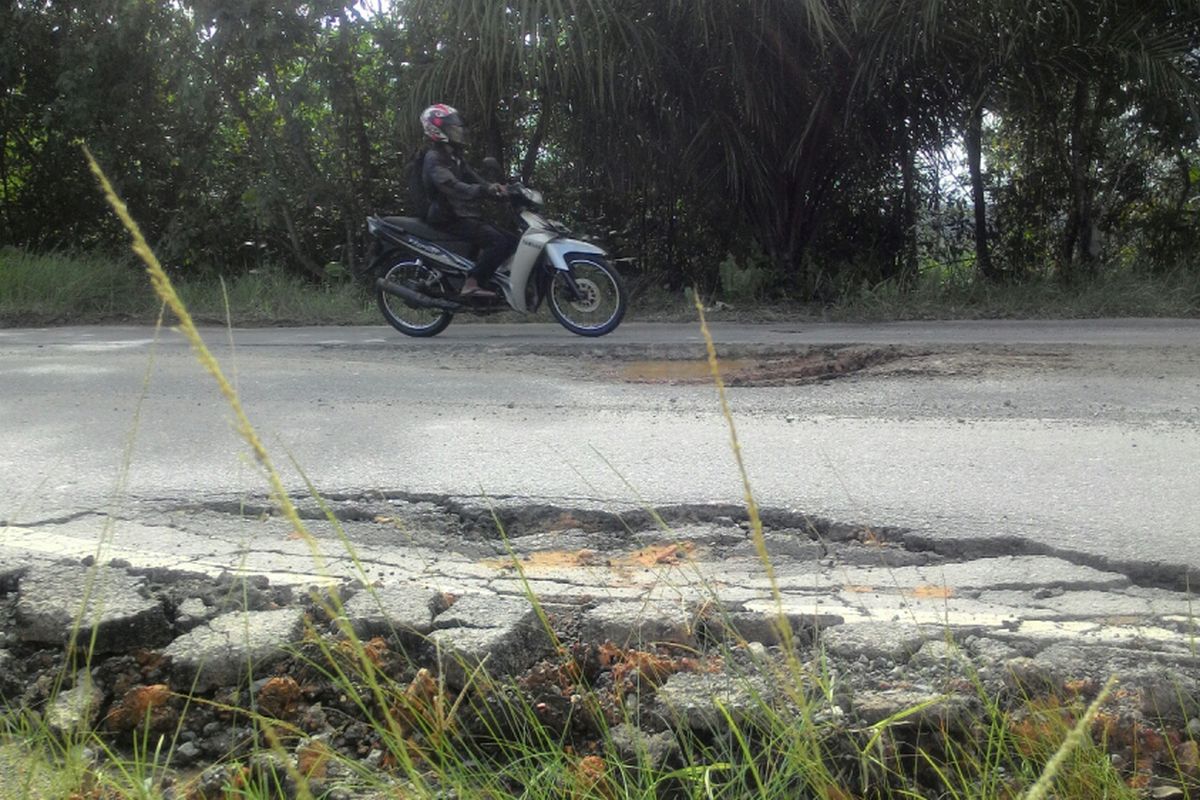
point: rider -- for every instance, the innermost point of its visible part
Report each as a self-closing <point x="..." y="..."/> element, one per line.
<point x="455" y="190"/>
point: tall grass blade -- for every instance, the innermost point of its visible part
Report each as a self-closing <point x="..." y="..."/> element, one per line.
<point x="1041" y="789"/>
<point x="166" y="292"/>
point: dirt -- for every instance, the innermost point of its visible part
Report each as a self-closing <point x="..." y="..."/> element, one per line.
<point x="772" y="367"/>
<point x="783" y="370"/>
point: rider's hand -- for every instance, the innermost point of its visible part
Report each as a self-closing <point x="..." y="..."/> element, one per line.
<point x="498" y="189"/>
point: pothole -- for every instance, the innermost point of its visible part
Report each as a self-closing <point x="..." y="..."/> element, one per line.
<point x="778" y="370"/>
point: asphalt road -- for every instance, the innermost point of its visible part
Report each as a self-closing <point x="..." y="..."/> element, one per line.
<point x="1070" y="437"/>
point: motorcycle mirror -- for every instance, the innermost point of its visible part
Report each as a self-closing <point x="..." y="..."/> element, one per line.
<point x="491" y="170"/>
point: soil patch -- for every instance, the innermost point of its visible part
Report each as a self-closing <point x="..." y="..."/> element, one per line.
<point x="779" y="370"/>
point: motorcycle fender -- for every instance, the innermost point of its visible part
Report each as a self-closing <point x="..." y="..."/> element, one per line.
<point x="557" y="251"/>
<point x="522" y="264"/>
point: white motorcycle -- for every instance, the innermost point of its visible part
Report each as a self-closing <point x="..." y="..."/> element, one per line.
<point x="420" y="272"/>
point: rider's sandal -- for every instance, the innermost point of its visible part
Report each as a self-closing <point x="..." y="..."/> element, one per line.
<point x="477" y="291"/>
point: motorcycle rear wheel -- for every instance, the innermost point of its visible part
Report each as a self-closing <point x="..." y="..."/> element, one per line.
<point x="405" y="317"/>
<point x="600" y="304"/>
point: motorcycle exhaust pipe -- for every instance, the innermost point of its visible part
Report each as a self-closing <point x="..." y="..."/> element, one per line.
<point x="416" y="298"/>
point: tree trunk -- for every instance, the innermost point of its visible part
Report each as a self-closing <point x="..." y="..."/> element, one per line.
<point x="974" y="145"/>
<point x="495" y="138"/>
<point x="1077" y="216"/>
<point x="310" y="266"/>
<point x="296" y="134"/>
<point x="535" y="143"/>
<point x="5" y="203"/>
<point x="908" y="212"/>
<point x="257" y="146"/>
<point x="366" y="165"/>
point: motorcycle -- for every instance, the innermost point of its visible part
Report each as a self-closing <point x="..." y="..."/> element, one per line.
<point x="420" y="272"/>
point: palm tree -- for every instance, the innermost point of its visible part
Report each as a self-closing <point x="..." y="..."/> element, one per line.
<point x="1075" y="67"/>
<point x="792" y="114"/>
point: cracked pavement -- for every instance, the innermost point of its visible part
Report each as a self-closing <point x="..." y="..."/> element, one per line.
<point x="1038" y="482"/>
<point x="826" y="574"/>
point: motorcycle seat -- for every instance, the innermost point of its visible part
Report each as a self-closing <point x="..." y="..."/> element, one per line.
<point x="421" y="228"/>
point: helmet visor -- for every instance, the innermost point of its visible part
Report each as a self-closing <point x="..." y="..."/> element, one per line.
<point x="454" y="129"/>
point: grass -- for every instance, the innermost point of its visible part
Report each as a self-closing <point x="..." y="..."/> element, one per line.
<point x="74" y="288"/>
<point x="490" y="740"/>
<point x="1113" y="293"/>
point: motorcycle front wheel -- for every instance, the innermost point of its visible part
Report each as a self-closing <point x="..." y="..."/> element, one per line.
<point x="595" y="304"/>
<point x="408" y="318"/>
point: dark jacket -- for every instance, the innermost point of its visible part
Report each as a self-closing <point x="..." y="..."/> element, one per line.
<point x="454" y="188"/>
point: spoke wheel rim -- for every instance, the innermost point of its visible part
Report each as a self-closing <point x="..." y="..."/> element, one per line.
<point x="414" y="276"/>
<point x="599" y="302"/>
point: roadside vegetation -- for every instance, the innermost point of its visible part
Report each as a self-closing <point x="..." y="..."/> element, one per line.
<point x="867" y="153"/>
<point x="75" y="289"/>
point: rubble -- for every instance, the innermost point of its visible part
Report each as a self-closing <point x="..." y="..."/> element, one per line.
<point x="104" y="607"/>
<point x="879" y="636"/>
<point x="395" y="609"/>
<point x="75" y="710"/>
<point x="231" y="647"/>
<point x="712" y="702"/>
<point x="640" y="624"/>
<point x="504" y="634"/>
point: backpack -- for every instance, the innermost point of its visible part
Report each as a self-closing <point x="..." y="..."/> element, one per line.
<point x="419" y="199"/>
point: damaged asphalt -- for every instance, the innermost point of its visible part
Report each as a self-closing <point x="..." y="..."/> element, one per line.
<point x="1014" y="502"/>
<point x="227" y="598"/>
<point x="988" y="474"/>
<point x="829" y="573"/>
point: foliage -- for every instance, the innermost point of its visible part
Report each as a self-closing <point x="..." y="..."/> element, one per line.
<point x="64" y="287"/>
<point x="826" y="134"/>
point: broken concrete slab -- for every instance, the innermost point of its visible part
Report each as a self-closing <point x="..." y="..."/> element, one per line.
<point x="1018" y="572"/>
<point x="574" y="590"/>
<point x="892" y="641"/>
<point x="1126" y="632"/>
<point x="749" y="626"/>
<point x="636" y="746"/>
<point x="99" y="603"/>
<point x="915" y="706"/>
<point x="929" y="607"/>
<point x="10" y="574"/>
<point x="814" y="611"/>
<point x="1087" y="604"/>
<point x="75" y="710"/>
<point x="402" y="609"/>
<point x="995" y="573"/>
<point x="486" y="611"/>
<point x="986" y="650"/>
<point x="763" y="627"/>
<point x="502" y="652"/>
<point x="1169" y="685"/>
<point x="634" y="624"/>
<point x="780" y="547"/>
<point x="504" y="634"/>
<point x="938" y="654"/>
<point x="190" y="613"/>
<point x="707" y="702"/>
<point x="233" y="647"/>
